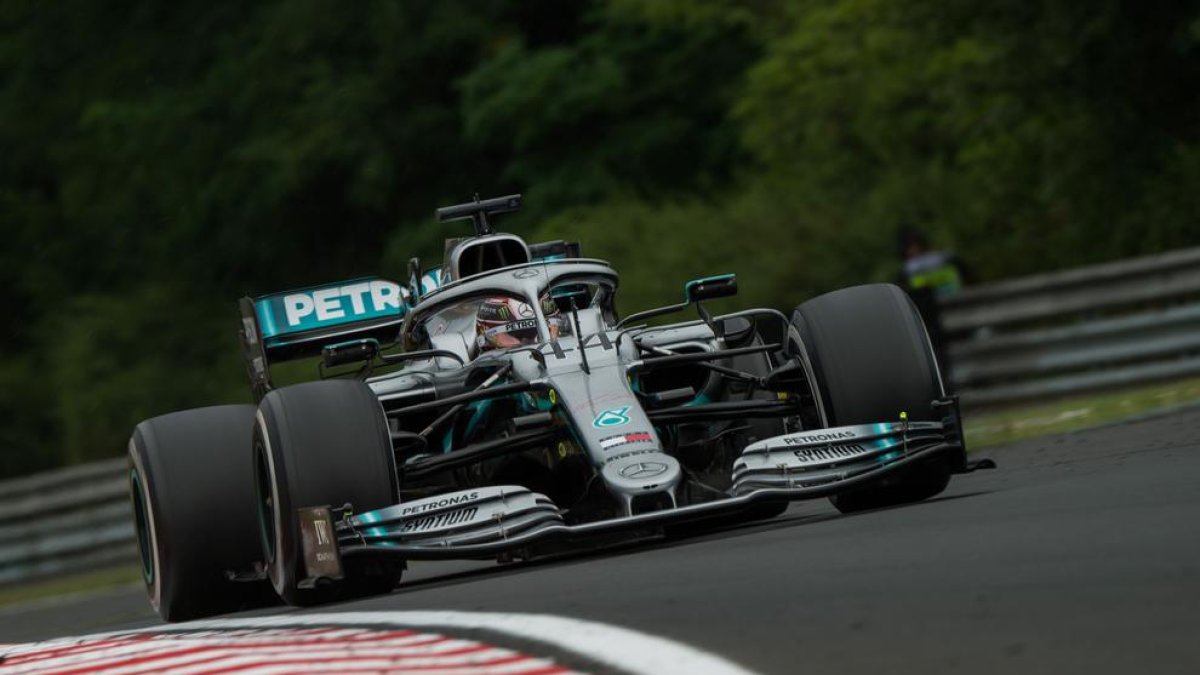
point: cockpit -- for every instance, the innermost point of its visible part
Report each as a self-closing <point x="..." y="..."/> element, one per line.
<point x="493" y="317"/>
<point x="495" y="291"/>
<point x="497" y="321"/>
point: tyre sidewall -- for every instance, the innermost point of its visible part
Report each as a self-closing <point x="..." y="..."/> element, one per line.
<point x="193" y="478"/>
<point x="280" y="539"/>
<point x="140" y="489"/>
<point x="325" y="444"/>
<point x="870" y="365"/>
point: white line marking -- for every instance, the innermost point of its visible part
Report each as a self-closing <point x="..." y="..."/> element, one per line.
<point x="614" y="646"/>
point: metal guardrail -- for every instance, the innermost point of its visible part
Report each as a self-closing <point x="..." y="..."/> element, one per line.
<point x="1116" y="324"/>
<point x="71" y="520"/>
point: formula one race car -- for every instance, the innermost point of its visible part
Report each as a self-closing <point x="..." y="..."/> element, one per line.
<point x="498" y="407"/>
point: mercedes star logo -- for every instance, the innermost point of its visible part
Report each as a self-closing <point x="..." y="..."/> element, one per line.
<point x="643" y="470"/>
<point x="525" y="273"/>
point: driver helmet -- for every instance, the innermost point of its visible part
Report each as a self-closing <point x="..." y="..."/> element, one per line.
<point x="503" y="323"/>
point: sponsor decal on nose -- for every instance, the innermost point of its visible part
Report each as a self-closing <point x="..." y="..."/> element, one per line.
<point x="626" y="439"/>
<point x="613" y="417"/>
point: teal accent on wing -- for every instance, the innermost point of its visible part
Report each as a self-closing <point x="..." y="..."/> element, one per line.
<point x="431" y="281"/>
<point x="266" y="320"/>
<point x="318" y="307"/>
<point x="368" y="518"/>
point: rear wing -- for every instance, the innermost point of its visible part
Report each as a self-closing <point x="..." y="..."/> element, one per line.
<point x="299" y="323"/>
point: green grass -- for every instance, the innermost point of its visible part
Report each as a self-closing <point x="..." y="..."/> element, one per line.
<point x="112" y="577"/>
<point x="1077" y="412"/>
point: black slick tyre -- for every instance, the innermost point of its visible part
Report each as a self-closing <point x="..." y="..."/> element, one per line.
<point x="872" y="359"/>
<point x="321" y="444"/>
<point x="192" y="489"/>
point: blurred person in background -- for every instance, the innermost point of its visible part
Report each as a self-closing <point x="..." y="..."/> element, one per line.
<point x="928" y="276"/>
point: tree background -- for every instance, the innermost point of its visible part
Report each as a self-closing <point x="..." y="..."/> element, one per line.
<point x="160" y="160"/>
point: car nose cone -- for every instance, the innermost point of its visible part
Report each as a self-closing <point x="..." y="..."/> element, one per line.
<point x="643" y="470"/>
<point x="642" y="473"/>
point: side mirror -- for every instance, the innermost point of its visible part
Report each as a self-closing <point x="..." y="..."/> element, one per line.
<point x="710" y="288"/>
<point x="694" y="291"/>
<point x="355" y="351"/>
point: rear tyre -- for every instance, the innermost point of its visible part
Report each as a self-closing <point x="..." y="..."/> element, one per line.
<point x="321" y="444"/>
<point x="872" y="359"/>
<point x="192" y="488"/>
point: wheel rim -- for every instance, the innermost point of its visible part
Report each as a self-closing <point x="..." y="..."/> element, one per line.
<point x="142" y="524"/>
<point x="818" y="409"/>
<point x="266" y="502"/>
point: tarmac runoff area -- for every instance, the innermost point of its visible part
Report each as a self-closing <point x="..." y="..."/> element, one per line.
<point x="1080" y="554"/>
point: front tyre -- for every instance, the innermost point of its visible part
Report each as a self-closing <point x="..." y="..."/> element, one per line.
<point x="872" y="360"/>
<point x="321" y="444"/>
<point x="192" y="488"/>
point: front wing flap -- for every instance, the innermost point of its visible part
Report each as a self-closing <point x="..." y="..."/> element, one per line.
<point x="483" y="515"/>
<point x="811" y="458"/>
<point x="499" y="520"/>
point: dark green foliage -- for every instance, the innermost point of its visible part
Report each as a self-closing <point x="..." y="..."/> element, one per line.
<point x="1030" y="135"/>
<point x="161" y="159"/>
<point x="633" y="104"/>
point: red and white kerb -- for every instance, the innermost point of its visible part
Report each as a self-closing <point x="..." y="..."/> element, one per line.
<point x="273" y="651"/>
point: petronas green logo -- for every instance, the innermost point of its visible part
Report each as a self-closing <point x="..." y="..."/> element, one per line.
<point x="612" y="418"/>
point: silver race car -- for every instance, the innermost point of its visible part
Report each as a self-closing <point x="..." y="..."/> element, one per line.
<point x="498" y="407"/>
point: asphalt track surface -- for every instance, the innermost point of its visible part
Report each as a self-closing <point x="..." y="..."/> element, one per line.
<point x="1080" y="554"/>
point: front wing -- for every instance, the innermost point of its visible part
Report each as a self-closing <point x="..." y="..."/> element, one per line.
<point x="503" y="520"/>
